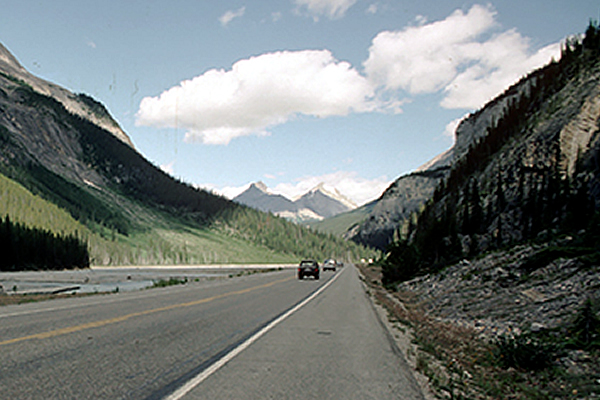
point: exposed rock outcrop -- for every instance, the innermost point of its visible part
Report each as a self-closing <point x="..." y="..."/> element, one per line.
<point x="402" y="199"/>
<point x="81" y="105"/>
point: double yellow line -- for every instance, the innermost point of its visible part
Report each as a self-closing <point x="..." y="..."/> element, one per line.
<point x="104" y="322"/>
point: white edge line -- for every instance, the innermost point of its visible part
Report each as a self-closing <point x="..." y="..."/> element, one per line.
<point x="202" y="376"/>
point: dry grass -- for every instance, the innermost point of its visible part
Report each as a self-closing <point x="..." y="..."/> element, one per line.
<point x="6" y="299"/>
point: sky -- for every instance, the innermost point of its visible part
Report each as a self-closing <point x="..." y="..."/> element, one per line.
<point x="350" y="93"/>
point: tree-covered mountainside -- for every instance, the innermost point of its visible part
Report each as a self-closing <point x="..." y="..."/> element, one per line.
<point x="532" y="174"/>
<point x="132" y="211"/>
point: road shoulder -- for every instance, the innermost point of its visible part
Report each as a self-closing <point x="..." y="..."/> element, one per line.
<point x="399" y="335"/>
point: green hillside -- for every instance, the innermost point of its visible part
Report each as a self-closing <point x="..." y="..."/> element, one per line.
<point x="178" y="245"/>
<point x="342" y="223"/>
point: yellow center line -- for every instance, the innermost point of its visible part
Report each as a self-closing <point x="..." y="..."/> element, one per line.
<point x="104" y="322"/>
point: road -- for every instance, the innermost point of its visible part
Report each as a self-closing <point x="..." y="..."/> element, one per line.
<point x="309" y="339"/>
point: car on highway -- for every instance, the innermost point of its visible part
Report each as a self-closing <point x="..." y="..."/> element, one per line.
<point x="308" y="268"/>
<point x="329" y="264"/>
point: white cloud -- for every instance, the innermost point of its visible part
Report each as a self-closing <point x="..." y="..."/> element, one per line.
<point x="424" y="58"/>
<point x="333" y="9"/>
<point x="372" y="9"/>
<point x="169" y="168"/>
<point x="459" y="55"/>
<point x="259" y="93"/>
<point x="451" y="126"/>
<point x="231" y="15"/>
<point x="502" y="62"/>
<point x="465" y="57"/>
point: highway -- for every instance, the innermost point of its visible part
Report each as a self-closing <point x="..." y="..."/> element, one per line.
<point x="258" y="336"/>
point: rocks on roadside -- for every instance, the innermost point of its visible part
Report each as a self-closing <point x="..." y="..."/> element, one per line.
<point x="494" y="297"/>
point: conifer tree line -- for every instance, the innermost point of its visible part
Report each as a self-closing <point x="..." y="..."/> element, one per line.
<point x="25" y="248"/>
<point x="274" y="232"/>
<point x="467" y="216"/>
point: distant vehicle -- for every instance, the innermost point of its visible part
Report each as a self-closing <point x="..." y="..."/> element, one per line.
<point x="307" y="268"/>
<point x="329" y="265"/>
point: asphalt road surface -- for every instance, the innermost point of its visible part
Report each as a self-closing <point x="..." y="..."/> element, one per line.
<point x="253" y="337"/>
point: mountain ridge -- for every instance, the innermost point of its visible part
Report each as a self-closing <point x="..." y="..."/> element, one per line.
<point x="316" y="204"/>
<point x="399" y="202"/>
<point x="81" y="105"/>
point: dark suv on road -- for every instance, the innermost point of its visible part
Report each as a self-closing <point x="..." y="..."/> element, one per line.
<point x="308" y="267"/>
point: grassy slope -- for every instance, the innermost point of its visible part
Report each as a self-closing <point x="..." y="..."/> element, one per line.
<point x="169" y="244"/>
<point x="341" y="223"/>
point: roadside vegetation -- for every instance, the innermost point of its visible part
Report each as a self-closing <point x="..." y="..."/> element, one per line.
<point x="561" y="363"/>
<point x="169" y="282"/>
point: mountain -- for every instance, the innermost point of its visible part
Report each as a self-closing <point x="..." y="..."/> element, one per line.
<point x="316" y="204"/>
<point x="402" y="199"/>
<point x="324" y="202"/>
<point x="81" y="105"/>
<point x="557" y="134"/>
<point x="60" y="150"/>
<point x="258" y="196"/>
<point x="525" y="168"/>
<point x="507" y="249"/>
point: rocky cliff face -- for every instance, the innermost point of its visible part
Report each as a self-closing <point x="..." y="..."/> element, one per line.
<point x="34" y="127"/>
<point x="402" y="199"/>
<point x="80" y="105"/>
<point x="557" y="136"/>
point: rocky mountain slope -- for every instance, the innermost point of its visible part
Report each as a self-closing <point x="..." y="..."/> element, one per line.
<point x="403" y="199"/>
<point x="81" y="105"/>
<point x="561" y="127"/>
<point x="315" y="205"/>
<point x="525" y="166"/>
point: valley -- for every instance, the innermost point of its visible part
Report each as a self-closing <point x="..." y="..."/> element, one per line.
<point x="485" y="259"/>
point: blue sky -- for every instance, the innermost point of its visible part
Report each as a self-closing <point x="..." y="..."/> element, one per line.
<point x="352" y="93"/>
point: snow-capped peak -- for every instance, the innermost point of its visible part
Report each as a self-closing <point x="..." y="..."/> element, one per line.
<point x="260" y="185"/>
<point x="332" y="192"/>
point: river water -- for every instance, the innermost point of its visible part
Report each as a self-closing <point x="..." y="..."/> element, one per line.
<point x="112" y="279"/>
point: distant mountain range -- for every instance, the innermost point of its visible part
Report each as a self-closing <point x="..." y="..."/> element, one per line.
<point x="315" y="205"/>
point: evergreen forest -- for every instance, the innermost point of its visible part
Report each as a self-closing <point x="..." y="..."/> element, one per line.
<point x="25" y="248"/>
